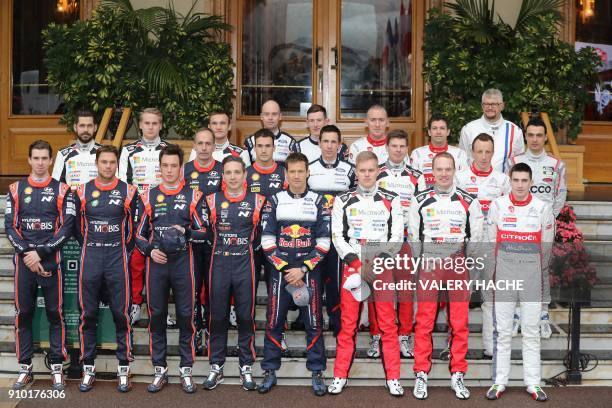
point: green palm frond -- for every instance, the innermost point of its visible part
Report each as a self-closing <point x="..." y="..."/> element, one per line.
<point x="475" y="19"/>
<point x="533" y="9"/>
<point x="164" y="78"/>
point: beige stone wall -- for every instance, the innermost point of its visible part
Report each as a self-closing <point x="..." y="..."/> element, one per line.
<point x="507" y="9"/>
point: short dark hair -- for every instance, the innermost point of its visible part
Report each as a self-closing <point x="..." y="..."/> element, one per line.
<point x="40" y="145"/>
<point x="537" y="121"/>
<point x="229" y="118"/>
<point x="233" y="159"/>
<point x="435" y="117"/>
<point x="296" y="158"/>
<point x="263" y="133"/>
<point x="172" y="150"/>
<point x="84" y="113"/>
<point x="484" y="137"/>
<point x="316" y="108"/>
<point x="443" y="155"/>
<point x="107" y="149"/>
<point x="331" y="129"/>
<point x="397" y="134"/>
<point x="521" y="168"/>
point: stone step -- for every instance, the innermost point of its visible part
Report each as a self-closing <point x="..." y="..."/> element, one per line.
<point x="599" y="250"/>
<point x="293" y="371"/>
<point x="598" y="229"/>
<point x="591" y="209"/>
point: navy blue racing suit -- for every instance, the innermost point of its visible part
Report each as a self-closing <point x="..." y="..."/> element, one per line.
<point x="207" y="179"/>
<point x="39" y="216"/>
<point x="105" y="232"/>
<point x="295" y="235"/>
<point x="235" y="224"/>
<point x="161" y="208"/>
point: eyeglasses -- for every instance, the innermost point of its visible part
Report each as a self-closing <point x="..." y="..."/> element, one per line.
<point x="491" y="104"/>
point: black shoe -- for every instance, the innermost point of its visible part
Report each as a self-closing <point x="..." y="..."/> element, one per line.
<point x="318" y="384"/>
<point x="215" y="377"/>
<point x="24" y="377"/>
<point x="160" y="379"/>
<point x="298" y="325"/>
<point x="268" y="382"/>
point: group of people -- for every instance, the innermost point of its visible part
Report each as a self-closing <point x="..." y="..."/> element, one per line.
<point x="302" y="215"/>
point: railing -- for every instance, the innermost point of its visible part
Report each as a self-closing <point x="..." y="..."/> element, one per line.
<point x="121" y="129"/>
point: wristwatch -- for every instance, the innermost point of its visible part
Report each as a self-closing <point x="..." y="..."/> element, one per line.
<point x="304" y="269"/>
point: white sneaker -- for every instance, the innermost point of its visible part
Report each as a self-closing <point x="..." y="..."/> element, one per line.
<point x="337" y="385"/>
<point x="420" y="386"/>
<point x="284" y="346"/>
<point x="459" y="387"/>
<point x="394" y="387"/>
<point x="495" y="392"/>
<point x="135" y="314"/>
<point x="170" y="322"/>
<point x="232" y="317"/>
<point x="374" y="350"/>
<point x="516" y="322"/>
<point x="406" y="346"/>
<point x="545" y="329"/>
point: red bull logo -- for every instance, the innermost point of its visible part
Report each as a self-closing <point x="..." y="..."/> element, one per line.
<point x="295" y="231"/>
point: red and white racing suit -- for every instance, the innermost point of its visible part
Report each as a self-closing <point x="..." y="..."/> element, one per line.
<point x="361" y="216"/>
<point x="402" y="180"/>
<point x="440" y="223"/>
<point x="368" y="143"/>
<point x="507" y="139"/>
<point x="139" y="166"/>
<point x="523" y="232"/>
<point x="421" y="159"/>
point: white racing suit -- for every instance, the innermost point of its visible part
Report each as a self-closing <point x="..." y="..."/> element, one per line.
<point x="523" y="233"/>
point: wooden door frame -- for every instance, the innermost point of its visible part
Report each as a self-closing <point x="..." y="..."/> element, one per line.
<point x="325" y="36"/>
<point x="18" y="131"/>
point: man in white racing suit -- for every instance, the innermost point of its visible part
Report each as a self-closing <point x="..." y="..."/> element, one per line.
<point x="522" y="228"/>
<point x="507" y="136"/>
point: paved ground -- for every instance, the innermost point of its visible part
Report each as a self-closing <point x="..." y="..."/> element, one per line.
<point x="104" y="395"/>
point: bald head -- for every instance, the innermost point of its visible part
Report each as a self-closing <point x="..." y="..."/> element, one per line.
<point x="377" y="122"/>
<point x="271" y="115"/>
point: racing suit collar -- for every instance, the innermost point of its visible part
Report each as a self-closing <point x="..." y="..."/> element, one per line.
<point x="435" y="149"/>
<point x="85" y="147"/>
<point x="236" y="198"/>
<point x="105" y="187"/>
<point x="395" y="166"/>
<point x="43" y="183"/>
<point x="444" y="193"/>
<point x="480" y="173"/>
<point x="297" y="195"/>
<point x="328" y="165"/>
<point x="222" y="146"/>
<point x="173" y="191"/>
<point x="375" y="142"/>
<point x="495" y="125"/>
<point x="205" y="168"/>
<point x="265" y="170"/>
<point x="367" y="192"/>
<point x="521" y="203"/>
<point x="313" y="140"/>
<point x="151" y="143"/>
<point x="534" y="156"/>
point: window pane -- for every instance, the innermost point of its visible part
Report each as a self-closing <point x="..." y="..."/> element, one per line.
<point x="376" y="65"/>
<point x="594" y="28"/>
<point x="277" y="45"/>
<point x="31" y="94"/>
